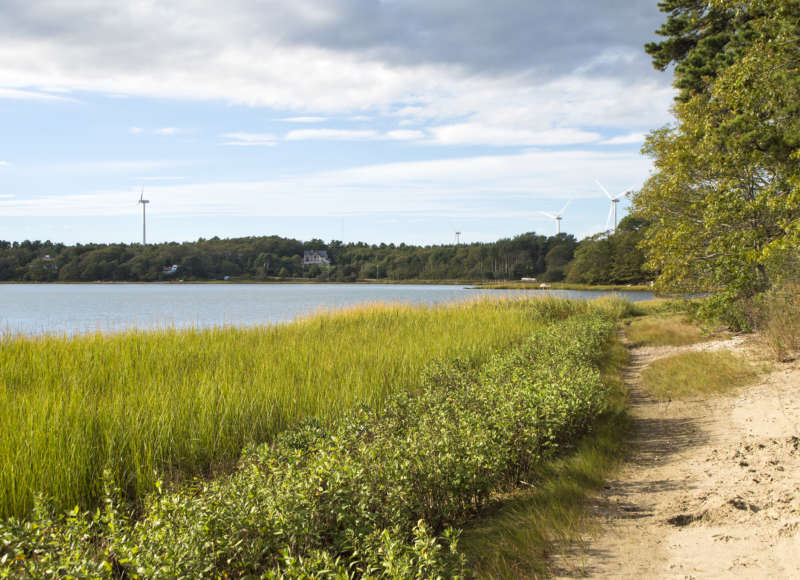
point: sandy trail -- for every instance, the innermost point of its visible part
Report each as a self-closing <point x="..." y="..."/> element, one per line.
<point x="712" y="488"/>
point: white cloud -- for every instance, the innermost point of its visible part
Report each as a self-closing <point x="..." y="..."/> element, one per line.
<point x="235" y="58"/>
<point x="304" y="119"/>
<point x="28" y="95"/>
<point x="112" y="166"/>
<point x="629" y="139"/>
<point x="163" y="131"/>
<point x="610" y="56"/>
<point x="167" y="131"/>
<point x="480" y="134"/>
<point x="406" y="135"/>
<point x="353" y="135"/>
<point x="331" y="135"/>
<point x="250" y="139"/>
<point x="5" y="164"/>
<point x="467" y="187"/>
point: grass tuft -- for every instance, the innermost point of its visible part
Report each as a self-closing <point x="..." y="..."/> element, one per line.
<point x="692" y="374"/>
<point x="779" y="320"/>
<point x="664" y="331"/>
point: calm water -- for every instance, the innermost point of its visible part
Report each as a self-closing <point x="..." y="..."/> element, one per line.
<point x="74" y="308"/>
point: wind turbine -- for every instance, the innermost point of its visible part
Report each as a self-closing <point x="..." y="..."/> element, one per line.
<point x="614" y="202"/>
<point x="144" y="203"/>
<point x="557" y="216"/>
<point x="457" y="232"/>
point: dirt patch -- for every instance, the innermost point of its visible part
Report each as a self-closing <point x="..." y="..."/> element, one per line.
<point x="712" y="488"/>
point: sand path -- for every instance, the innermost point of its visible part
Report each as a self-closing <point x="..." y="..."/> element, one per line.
<point x="712" y="488"/>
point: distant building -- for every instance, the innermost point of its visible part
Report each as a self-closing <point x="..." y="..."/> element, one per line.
<point x="316" y="258"/>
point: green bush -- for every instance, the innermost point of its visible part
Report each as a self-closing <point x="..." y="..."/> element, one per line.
<point x="376" y="494"/>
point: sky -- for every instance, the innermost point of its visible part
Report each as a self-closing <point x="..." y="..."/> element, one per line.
<point x="357" y="120"/>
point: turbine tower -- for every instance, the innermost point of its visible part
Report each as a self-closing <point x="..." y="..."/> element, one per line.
<point x="614" y="201"/>
<point x="458" y="238"/>
<point x="144" y="203"/>
<point x="557" y="216"/>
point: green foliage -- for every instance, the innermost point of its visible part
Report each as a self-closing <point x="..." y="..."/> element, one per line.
<point x="376" y="494"/>
<point x="701" y="38"/>
<point x="724" y="202"/>
<point x="611" y="258"/>
<point x="269" y="257"/>
<point x="185" y="402"/>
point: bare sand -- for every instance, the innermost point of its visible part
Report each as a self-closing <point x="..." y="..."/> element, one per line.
<point x="712" y="487"/>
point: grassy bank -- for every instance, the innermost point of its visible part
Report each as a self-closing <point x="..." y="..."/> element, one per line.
<point x="559" y="286"/>
<point x="185" y="402"/>
<point x="377" y="493"/>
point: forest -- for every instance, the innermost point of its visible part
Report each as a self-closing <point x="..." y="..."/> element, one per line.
<point x="602" y="259"/>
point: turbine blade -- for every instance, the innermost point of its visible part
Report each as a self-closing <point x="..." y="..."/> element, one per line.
<point x="563" y="209"/>
<point x="624" y="192"/>
<point x="550" y="215"/>
<point x="604" y="189"/>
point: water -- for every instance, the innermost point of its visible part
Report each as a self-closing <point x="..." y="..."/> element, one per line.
<point x="76" y="308"/>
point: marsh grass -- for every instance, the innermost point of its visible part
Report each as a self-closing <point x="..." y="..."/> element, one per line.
<point x="778" y="320"/>
<point x="664" y="330"/>
<point x="699" y="373"/>
<point x="515" y="537"/>
<point x="178" y="403"/>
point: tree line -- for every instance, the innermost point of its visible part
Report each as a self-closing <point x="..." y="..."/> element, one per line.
<point x="602" y="259"/>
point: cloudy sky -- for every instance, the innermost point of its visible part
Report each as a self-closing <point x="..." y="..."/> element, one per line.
<point x="374" y="120"/>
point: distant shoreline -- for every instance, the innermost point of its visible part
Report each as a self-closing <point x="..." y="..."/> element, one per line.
<point x="473" y="284"/>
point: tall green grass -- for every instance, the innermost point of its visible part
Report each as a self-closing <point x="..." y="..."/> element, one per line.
<point x="176" y="403"/>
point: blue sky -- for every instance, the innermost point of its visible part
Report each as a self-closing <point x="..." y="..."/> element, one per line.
<point x="373" y="120"/>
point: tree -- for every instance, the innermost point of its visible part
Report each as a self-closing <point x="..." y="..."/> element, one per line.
<point x="701" y="37"/>
<point x="724" y="202"/>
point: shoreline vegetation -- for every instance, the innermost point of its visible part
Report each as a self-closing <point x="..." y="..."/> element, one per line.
<point x="563" y="286"/>
<point x="185" y="402"/>
<point x="480" y="464"/>
<point x="442" y="421"/>
<point x="473" y="284"/>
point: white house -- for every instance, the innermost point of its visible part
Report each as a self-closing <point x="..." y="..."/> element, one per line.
<point x="316" y="258"/>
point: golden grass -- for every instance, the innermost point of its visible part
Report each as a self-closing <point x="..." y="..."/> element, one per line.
<point x="669" y="330"/>
<point x="779" y="320"/>
<point x="696" y="373"/>
<point x="185" y="402"/>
